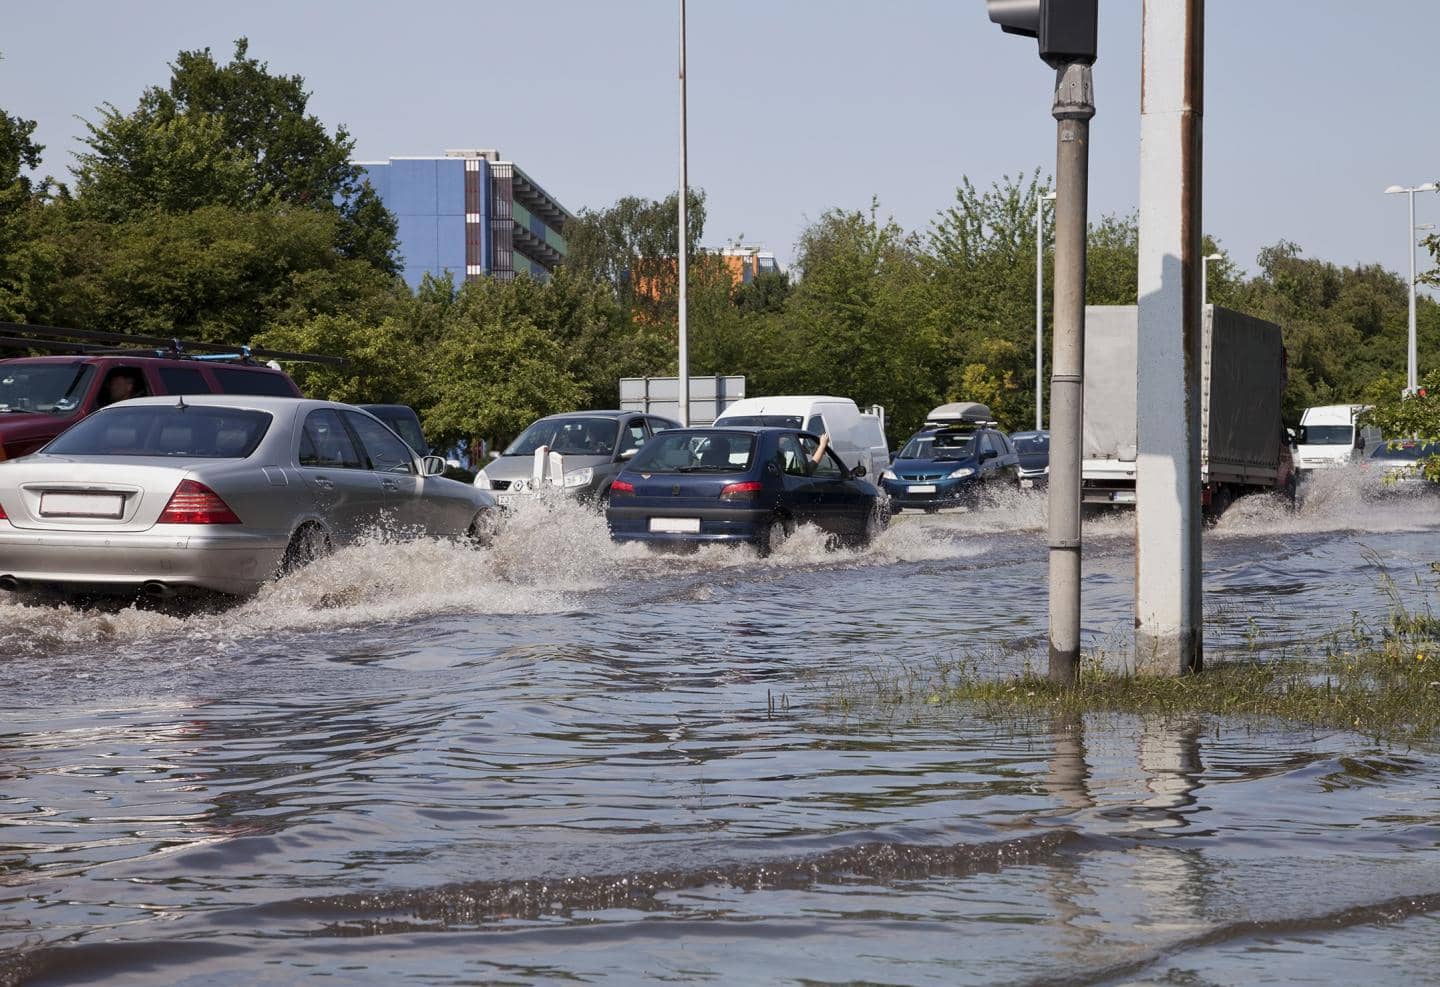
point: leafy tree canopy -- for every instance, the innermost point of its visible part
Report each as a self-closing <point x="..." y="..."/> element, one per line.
<point x="234" y="135"/>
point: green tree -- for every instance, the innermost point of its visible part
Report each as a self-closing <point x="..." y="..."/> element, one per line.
<point x="856" y="323"/>
<point x="234" y="135"/>
<point x="19" y="200"/>
<point x="632" y="246"/>
<point x="214" y="272"/>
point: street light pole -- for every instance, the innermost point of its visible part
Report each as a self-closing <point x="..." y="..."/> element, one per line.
<point x="1205" y="280"/>
<point x="1040" y="201"/>
<point x="1412" y="382"/>
<point x="684" y="241"/>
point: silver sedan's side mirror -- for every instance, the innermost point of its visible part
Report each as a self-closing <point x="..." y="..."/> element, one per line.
<point x="432" y="465"/>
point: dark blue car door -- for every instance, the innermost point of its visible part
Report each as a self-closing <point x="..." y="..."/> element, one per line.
<point x="830" y="490"/>
<point x="798" y="496"/>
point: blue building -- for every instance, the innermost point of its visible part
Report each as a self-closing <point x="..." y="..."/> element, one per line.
<point x="471" y="214"/>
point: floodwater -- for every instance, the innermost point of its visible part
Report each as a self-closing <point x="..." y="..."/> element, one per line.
<point x="556" y="760"/>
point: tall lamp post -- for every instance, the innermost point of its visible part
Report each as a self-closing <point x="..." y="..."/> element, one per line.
<point x="1205" y="279"/>
<point x="1040" y="201"/>
<point x="1411" y="374"/>
<point x="684" y="241"/>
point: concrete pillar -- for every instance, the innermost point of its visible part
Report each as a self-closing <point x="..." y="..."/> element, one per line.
<point x="1168" y="617"/>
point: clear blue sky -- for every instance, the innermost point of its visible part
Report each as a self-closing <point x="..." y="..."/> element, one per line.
<point x="1313" y="107"/>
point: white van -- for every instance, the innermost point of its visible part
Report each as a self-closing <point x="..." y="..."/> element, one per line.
<point x="857" y="437"/>
<point x="1329" y="437"/>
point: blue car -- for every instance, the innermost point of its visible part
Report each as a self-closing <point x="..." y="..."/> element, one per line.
<point x="1033" y="448"/>
<point x="752" y="485"/>
<point x="951" y="466"/>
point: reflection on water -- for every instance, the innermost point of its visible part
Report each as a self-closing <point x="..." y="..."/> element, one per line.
<point x="558" y="759"/>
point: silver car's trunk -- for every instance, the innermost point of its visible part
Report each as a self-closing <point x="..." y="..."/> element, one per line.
<point x="59" y="494"/>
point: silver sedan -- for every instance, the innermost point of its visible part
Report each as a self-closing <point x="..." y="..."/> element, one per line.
<point x="217" y="493"/>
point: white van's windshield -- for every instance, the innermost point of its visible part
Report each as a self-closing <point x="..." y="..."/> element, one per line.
<point x="761" y="421"/>
<point x="1327" y="435"/>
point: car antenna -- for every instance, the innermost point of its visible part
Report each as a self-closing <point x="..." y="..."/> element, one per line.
<point x="180" y="404"/>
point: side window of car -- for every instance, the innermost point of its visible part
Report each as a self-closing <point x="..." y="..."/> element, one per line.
<point x="325" y="444"/>
<point x="987" y="444"/>
<point x="815" y="425"/>
<point x="234" y="380"/>
<point x="387" y="452"/>
<point x="790" y="458"/>
<point x="183" y="380"/>
<point x="661" y="424"/>
<point x="633" y="436"/>
<point x="830" y="467"/>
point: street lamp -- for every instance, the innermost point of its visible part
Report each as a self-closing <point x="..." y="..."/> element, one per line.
<point x="1205" y="278"/>
<point x="684" y="242"/>
<point x="1411" y="375"/>
<point x="1040" y="305"/>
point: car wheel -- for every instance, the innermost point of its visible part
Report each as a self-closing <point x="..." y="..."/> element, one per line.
<point x="482" y="529"/>
<point x="774" y="535"/>
<point x="310" y="542"/>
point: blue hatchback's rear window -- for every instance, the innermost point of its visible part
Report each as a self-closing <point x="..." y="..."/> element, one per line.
<point x="190" y="432"/>
<point x="696" y="452"/>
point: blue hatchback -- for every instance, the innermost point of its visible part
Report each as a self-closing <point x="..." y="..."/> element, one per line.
<point x="739" y="485"/>
<point x="950" y="466"/>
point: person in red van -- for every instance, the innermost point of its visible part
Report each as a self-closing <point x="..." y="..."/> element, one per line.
<point x="122" y="383"/>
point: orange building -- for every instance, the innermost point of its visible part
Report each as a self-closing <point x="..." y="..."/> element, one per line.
<point x="654" y="279"/>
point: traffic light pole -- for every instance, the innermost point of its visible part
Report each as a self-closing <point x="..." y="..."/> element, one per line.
<point x="1074" y="106"/>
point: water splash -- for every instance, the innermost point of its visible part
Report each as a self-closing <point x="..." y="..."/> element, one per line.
<point x="545" y="555"/>
<point x="1343" y="498"/>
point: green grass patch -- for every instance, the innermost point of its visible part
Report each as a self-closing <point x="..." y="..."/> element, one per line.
<point x="1381" y="682"/>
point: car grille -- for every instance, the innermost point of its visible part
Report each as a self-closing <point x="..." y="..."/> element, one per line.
<point x="923" y="477"/>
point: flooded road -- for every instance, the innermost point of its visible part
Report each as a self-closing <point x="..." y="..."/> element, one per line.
<point x="559" y="760"/>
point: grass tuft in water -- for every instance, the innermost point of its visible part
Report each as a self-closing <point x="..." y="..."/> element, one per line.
<point x="1381" y="682"/>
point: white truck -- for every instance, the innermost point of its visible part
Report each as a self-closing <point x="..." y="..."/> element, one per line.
<point x="1243" y="446"/>
<point x="1329" y="437"/>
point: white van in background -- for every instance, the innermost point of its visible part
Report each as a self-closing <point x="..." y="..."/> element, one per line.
<point x="1329" y="437"/>
<point x="857" y="437"/>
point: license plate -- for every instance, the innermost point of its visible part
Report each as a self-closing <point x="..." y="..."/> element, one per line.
<point x="675" y="525"/>
<point x="82" y="505"/>
<point x="1027" y="483"/>
<point x="922" y="488"/>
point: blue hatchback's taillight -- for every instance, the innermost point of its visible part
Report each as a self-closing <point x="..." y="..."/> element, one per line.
<point x="741" y="491"/>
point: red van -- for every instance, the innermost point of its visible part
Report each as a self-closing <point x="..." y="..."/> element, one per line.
<point x="42" y="396"/>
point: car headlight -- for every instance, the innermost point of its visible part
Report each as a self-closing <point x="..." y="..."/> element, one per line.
<point x="962" y="473"/>
<point x="482" y="481"/>
<point x="579" y="478"/>
<point x="888" y="475"/>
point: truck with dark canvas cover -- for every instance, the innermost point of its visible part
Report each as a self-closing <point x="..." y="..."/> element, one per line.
<point x="1242" y="378"/>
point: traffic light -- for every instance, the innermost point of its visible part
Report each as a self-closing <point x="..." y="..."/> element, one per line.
<point x="1066" y="29"/>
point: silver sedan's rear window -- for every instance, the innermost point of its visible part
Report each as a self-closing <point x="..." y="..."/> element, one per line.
<point x="190" y="432"/>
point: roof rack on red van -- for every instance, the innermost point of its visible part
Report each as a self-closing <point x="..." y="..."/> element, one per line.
<point x="94" y="342"/>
